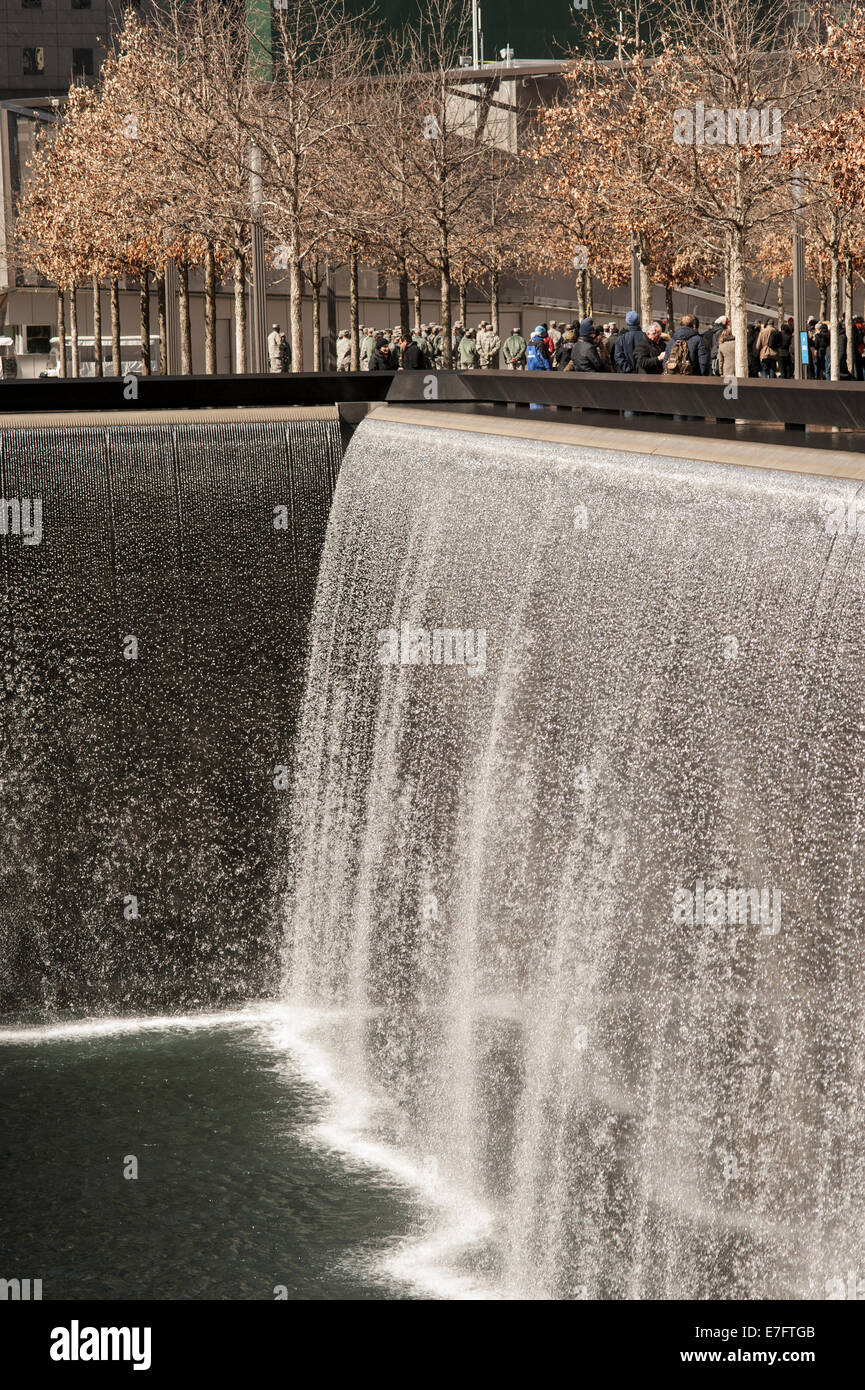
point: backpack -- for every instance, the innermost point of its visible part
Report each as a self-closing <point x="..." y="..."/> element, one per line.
<point x="679" y="361"/>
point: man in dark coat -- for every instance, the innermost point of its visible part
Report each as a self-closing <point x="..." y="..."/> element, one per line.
<point x="584" y="354"/>
<point x="413" y="358"/>
<point x="698" y="353"/>
<point x="649" y="349"/>
<point x="624" y="343"/>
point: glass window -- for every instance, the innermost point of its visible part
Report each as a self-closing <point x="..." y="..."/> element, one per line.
<point x="82" y="62"/>
<point x="38" y="337"/>
<point x="34" y="61"/>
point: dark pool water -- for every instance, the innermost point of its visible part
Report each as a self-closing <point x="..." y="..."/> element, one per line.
<point x="231" y="1201"/>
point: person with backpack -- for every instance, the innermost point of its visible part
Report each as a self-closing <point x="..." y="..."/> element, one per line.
<point x="540" y="331"/>
<point x="537" y="360"/>
<point x="536" y="354"/>
<point x="564" y="348"/>
<point x="687" y="354"/>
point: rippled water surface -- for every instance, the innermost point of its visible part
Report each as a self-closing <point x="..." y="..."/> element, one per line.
<point x="236" y="1193"/>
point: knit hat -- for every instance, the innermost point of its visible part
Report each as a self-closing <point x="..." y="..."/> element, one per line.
<point x="539" y="331"/>
<point x="587" y="328"/>
<point x="632" y="319"/>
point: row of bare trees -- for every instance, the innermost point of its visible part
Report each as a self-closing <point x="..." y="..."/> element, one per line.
<point x="363" y="159"/>
<point x="371" y="152"/>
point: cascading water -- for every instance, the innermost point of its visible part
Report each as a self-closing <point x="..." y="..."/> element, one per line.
<point x="154" y="636"/>
<point x="577" y="880"/>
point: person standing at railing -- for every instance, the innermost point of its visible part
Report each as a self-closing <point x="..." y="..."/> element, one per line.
<point x="514" y="350"/>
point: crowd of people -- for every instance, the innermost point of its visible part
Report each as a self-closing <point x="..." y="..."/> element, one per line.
<point x="584" y="346"/>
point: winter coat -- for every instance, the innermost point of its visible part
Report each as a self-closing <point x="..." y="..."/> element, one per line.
<point x="727" y="357"/>
<point x="697" y="351"/>
<point x="488" y="344"/>
<point x="564" y="349"/>
<point x="381" y="361"/>
<point x="413" y="358"/>
<point x="536" y="357"/>
<point x="468" y="353"/>
<point x="623" y="350"/>
<point x="647" y="355"/>
<point x="585" y="357"/>
<point x="343" y="350"/>
<point x="514" y="349"/>
<point x="762" y="345"/>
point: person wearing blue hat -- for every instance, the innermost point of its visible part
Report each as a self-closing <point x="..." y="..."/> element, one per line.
<point x="537" y="359"/>
<point x="536" y="353"/>
<point x="624" y="351"/>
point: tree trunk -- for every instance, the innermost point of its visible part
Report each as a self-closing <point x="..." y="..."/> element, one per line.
<point x="821" y="311"/>
<point x="848" y="310"/>
<point x="315" y="282"/>
<point x="295" y="275"/>
<point x="728" y="306"/>
<point x="97" y="328"/>
<point x="239" y="312"/>
<point x="445" y="287"/>
<point x="403" y="295"/>
<point x="738" y="300"/>
<point x="144" y="314"/>
<point x="162" y="320"/>
<point x="646" y="297"/>
<point x="116" y="353"/>
<point x="210" y="310"/>
<point x="183" y="312"/>
<point x="834" y="315"/>
<point x="494" y="300"/>
<point x="581" y="295"/>
<point x="418" y="307"/>
<point x="61" y="332"/>
<point x="668" y="300"/>
<point x="590" y="294"/>
<point x="353" y="314"/>
<point x="780" y="301"/>
<point x="73" y="329"/>
<point x="463" y="292"/>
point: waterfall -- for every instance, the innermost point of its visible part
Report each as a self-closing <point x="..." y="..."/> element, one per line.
<point x="576" y="867"/>
<point x="154" y="637"/>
